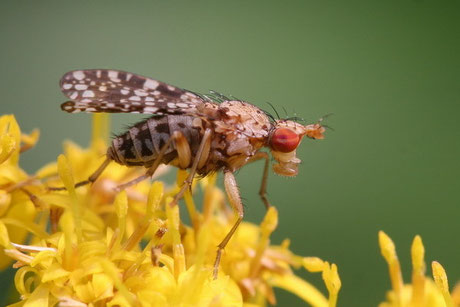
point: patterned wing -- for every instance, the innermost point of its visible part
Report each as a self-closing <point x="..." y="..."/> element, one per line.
<point x="112" y="91"/>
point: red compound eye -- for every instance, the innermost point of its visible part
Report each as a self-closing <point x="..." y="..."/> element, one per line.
<point x="284" y="140"/>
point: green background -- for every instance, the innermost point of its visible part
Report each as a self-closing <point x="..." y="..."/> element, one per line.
<point x="388" y="70"/>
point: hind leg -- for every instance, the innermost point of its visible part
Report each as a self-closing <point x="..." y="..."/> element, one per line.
<point x="184" y="157"/>
<point x="90" y="179"/>
<point x="150" y="171"/>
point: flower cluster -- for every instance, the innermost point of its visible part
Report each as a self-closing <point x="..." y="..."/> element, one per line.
<point x="91" y="246"/>
<point x="422" y="291"/>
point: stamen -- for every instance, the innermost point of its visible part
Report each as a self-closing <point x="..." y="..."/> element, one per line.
<point x="9" y="126"/>
<point x="121" y="209"/>
<point x="418" y="272"/>
<point x="65" y="172"/>
<point x="127" y="298"/>
<point x="8" y="146"/>
<point x="388" y="251"/>
<point x="32" y="248"/>
<point x="267" y="227"/>
<point x="332" y="281"/>
<point x="29" y="140"/>
<point x="178" y="249"/>
<point x="313" y="264"/>
<point x="189" y="203"/>
<point x="301" y="288"/>
<point x="4" y="237"/>
<point x="154" y="198"/>
<point x="440" y="278"/>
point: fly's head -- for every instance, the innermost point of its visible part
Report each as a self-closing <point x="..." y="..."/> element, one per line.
<point x="284" y="139"/>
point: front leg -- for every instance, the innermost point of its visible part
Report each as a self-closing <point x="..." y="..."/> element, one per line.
<point x="263" y="185"/>
<point x="91" y="178"/>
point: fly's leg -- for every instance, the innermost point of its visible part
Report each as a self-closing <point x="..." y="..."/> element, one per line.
<point x="235" y="201"/>
<point x="33" y="198"/>
<point x="201" y="155"/>
<point x="263" y="185"/>
<point x="96" y="174"/>
<point x="55" y="212"/>
<point x="91" y="178"/>
<point x="150" y="171"/>
<point x="184" y="155"/>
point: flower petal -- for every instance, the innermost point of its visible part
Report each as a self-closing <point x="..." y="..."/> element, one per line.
<point x="38" y="298"/>
<point x="299" y="287"/>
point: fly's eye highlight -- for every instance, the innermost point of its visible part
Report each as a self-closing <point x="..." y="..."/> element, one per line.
<point x="284" y="140"/>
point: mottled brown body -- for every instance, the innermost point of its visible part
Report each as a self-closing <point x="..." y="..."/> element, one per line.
<point x="235" y="138"/>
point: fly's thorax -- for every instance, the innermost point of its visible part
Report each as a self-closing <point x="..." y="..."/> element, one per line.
<point x="242" y="118"/>
<point x="240" y="130"/>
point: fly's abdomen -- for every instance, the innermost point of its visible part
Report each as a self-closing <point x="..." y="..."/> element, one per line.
<point x="141" y="144"/>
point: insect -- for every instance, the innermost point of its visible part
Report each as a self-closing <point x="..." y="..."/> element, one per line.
<point x="186" y="130"/>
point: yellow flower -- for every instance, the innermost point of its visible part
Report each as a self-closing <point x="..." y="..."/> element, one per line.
<point x="422" y="291"/>
<point x="17" y="208"/>
<point x="92" y="247"/>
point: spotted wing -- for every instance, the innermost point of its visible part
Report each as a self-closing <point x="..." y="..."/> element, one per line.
<point x="113" y="91"/>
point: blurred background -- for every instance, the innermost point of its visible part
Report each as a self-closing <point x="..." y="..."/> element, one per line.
<point x="388" y="70"/>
